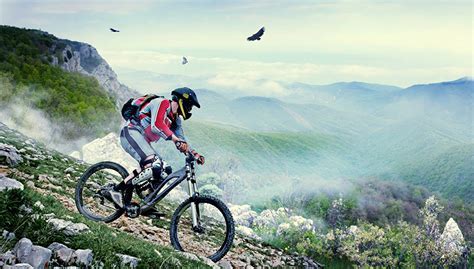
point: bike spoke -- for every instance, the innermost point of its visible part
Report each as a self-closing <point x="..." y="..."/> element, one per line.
<point x="210" y="235"/>
<point x="94" y="203"/>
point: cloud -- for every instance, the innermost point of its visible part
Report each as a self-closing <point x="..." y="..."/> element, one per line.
<point x="247" y="85"/>
<point x="266" y="78"/>
<point x="72" y="7"/>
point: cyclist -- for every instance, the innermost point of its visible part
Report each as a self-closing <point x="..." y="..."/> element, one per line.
<point x="159" y="118"/>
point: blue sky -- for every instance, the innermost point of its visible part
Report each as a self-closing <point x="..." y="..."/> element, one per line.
<point x="391" y="42"/>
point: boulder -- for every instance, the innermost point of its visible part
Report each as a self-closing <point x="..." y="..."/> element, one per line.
<point x="61" y="253"/>
<point x="39" y="257"/>
<point x="107" y="148"/>
<point x="9" y="155"/>
<point x="68" y="227"/>
<point x="36" y="256"/>
<point x="83" y="257"/>
<point x="9" y="184"/>
<point x="452" y="240"/>
<point x="22" y="249"/>
<point x="7" y="258"/>
<point x="128" y="261"/>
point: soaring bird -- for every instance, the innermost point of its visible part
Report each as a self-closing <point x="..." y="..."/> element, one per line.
<point x="185" y="61"/>
<point x="113" y="30"/>
<point x="257" y="35"/>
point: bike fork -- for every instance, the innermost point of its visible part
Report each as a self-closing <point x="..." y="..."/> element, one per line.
<point x="192" y="189"/>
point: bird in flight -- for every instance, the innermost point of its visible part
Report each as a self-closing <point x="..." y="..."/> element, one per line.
<point x="257" y="35"/>
<point x="113" y="30"/>
<point x="185" y="61"/>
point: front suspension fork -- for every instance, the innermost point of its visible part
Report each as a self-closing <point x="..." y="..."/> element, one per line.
<point x="192" y="189"/>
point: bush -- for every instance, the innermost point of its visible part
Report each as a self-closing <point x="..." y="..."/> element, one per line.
<point x="23" y="222"/>
<point x="210" y="178"/>
<point x="212" y="190"/>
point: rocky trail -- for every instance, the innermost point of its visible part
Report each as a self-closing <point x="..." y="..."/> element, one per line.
<point x="50" y="173"/>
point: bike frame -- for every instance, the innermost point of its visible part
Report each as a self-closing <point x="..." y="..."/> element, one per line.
<point x="173" y="180"/>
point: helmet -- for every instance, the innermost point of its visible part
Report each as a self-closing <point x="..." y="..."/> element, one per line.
<point x="186" y="99"/>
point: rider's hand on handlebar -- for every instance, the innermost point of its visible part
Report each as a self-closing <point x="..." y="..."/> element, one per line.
<point x="199" y="158"/>
<point x="182" y="146"/>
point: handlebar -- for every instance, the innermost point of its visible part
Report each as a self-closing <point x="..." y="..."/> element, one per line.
<point x="190" y="157"/>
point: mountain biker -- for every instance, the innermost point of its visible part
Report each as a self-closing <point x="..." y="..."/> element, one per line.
<point x="159" y="118"/>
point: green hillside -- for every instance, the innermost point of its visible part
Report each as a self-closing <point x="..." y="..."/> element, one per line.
<point x="450" y="173"/>
<point x="260" y="151"/>
<point x="27" y="77"/>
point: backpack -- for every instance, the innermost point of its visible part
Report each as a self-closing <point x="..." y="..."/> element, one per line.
<point x="130" y="111"/>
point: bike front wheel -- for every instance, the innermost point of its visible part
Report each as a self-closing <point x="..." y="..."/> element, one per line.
<point x="214" y="234"/>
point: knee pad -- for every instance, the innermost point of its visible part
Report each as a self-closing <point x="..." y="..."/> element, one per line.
<point x="145" y="162"/>
<point x="156" y="167"/>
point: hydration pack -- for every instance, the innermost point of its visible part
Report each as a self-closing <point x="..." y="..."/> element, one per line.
<point x="130" y="110"/>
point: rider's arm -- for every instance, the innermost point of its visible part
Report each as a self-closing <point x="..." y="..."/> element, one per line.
<point x="158" y="118"/>
<point x="177" y="129"/>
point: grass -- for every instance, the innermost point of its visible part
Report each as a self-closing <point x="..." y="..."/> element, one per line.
<point x="104" y="241"/>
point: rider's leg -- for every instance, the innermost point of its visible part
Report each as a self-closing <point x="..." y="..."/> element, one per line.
<point x="138" y="170"/>
<point x="134" y="143"/>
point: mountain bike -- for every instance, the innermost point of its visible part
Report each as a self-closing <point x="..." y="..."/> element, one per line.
<point x="202" y="224"/>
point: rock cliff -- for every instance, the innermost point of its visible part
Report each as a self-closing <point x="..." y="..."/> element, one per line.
<point x="83" y="58"/>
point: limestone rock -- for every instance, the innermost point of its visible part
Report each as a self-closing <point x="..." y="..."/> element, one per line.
<point x="22" y="249"/>
<point x="7" y="258"/>
<point x="199" y="258"/>
<point x="83" y="58"/>
<point x="452" y="240"/>
<point x="128" y="261"/>
<point x="9" y="155"/>
<point x="39" y="257"/>
<point x="36" y="256"/>
<point x="224" y="264"/>
<point x="68" y="227"/>
<point x="83" y="257"/>
<point x="61" y="253"/>
<point x="107" y="148"/>
<point x="9" y="184"/>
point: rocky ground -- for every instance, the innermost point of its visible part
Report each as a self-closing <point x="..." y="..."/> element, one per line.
<point x="52" y="174"/>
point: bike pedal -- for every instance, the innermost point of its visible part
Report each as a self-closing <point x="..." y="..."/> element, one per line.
<point x="133" y="210"/>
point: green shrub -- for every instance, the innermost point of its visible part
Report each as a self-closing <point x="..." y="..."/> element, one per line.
<point x="211" y="189"/>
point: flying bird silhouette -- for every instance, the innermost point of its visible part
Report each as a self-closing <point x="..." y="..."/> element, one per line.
<point x="257" y="35"/>
<point x="185" y="61"/>
<point x="113" y="30"/>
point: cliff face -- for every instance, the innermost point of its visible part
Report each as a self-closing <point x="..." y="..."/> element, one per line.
<point x="80" y="57"/>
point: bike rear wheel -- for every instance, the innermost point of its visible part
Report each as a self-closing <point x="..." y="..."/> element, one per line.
<point x="215" y="234"/>
<point x="89" y="200"/>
